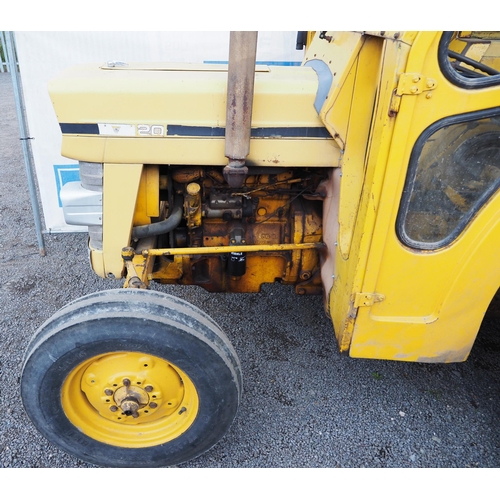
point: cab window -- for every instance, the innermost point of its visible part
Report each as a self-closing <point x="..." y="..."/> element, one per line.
<point x="470" y="59"/>
<point x="454" y="169"/>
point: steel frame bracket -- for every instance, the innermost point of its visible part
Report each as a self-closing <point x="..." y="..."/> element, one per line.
<point x="411" y="84"/>
<point x="367" y="299"/>
<point x="414" y="84"/>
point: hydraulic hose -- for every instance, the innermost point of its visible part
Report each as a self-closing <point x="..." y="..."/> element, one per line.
<point x="162" y="227"/>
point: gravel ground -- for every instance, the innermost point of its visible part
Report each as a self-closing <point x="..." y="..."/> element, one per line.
<point x="304" y="404"/>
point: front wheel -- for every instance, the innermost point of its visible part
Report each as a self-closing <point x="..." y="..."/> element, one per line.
<point x="131" y="378"/>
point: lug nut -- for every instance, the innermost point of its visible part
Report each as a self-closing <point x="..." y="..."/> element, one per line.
<point x="148" y="388"/>
<point x="153" y="405"/>
<point x="108" y="392"/>
<point x="126" y="382"/>
<point x="113" y="408"/>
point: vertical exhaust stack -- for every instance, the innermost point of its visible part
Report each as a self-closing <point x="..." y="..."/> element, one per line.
<point x="240" y="85"/>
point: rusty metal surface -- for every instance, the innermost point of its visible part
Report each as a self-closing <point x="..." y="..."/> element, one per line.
<point x="241" y="73"/>
<point x="240" y="87"/>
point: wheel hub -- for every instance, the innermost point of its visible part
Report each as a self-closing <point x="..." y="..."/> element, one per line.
<point x="135" y="397"/>
<point x="133" y="388"/>
<point x="131" y="398"/>
<point x="130" y="407"/>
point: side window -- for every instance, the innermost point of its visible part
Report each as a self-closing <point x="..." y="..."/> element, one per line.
<point x="454" y="169"/>
<point x="470" y="59"/>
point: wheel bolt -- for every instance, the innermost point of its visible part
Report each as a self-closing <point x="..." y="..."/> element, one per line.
<point x="113" y="408"/>
<point x="108" y="392"/>
<point x="148" y="388"/>
<point x="153" y="405"/>
<point x="126" y="382"/>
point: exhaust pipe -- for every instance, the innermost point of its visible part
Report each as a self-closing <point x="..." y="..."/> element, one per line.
<point x="240" y="88"/>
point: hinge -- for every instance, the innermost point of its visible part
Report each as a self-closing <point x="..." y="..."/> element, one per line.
<point x="367" y="299"/>
<point x="411" y="84"/>
<point x="414" y="84"/>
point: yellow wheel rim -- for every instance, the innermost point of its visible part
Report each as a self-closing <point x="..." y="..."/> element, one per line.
<point x="129" y="399"/>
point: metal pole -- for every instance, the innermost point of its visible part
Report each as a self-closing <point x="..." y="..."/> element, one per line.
<point x="240" y="89"/>
<point x="23" y="128"/>
<point x="2" y="42"/>
<point x="281" y="247"/>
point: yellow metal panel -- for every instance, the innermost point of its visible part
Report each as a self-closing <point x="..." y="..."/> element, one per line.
<point x="435" y="300"/>
<point x="140" y="213"/>
<point x="310" y="38"/>
<point x="148" y="197"/>
<point x="186" y="151"/>
<point x="403" y="36"/>
<point x="120" y="188"/>
<point x="350" y="272"/>
<point x="159" y="99"/>
<point x="442" y="331"/>
<point x="337" y="117"/>
<point x="152" y="190"/>
<point x="97" y="262"/>
<point x="339" y="52"/>
<point x="283" y="97"/>
<point x="354" y="158"/>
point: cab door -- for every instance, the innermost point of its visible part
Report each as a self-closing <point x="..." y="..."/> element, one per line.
<point x="432" y="208"/>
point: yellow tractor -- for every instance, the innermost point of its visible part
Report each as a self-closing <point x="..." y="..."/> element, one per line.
<point x="368" y="174"/>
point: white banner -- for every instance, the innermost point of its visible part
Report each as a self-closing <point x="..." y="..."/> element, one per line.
<point x="42" y="55"/>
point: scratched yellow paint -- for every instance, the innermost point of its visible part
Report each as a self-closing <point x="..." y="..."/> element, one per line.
<point x="434" y="300"/>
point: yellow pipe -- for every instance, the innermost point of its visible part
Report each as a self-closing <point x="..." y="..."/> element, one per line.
<point x="228" y="249"/>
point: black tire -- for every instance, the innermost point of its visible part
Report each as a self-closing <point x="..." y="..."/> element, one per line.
<point x="126" y="322"/>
